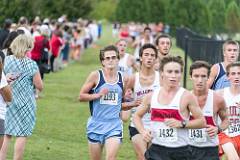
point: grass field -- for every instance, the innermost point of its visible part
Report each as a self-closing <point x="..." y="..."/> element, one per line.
<point x="61" y="120"/>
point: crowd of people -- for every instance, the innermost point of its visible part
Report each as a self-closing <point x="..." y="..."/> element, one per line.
<point x="28" y="50"/>
<point x="167" y="121"/>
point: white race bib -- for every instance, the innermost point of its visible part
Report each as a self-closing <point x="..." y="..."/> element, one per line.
<point x="198" y="135"/>
<point x="233" y="130"/>
<point x="164" y="133"/>
<point x="111" y="98"/>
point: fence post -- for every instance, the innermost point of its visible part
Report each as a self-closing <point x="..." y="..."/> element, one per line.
<point x="185" y="61"/>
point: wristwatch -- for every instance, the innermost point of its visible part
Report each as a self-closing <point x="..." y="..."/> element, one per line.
<point x="184" y="123"/>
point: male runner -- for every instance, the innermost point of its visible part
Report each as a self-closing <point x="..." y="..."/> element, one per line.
<point x="230" y="139"/>
<point x="218" y="78"/>
<point x="204" y="141"/>
<point x="104" y="90"/>
<point x="142" y="83"/>
<point x="170" y="107"/>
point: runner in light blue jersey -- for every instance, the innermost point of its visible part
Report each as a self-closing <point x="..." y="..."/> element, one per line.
<point x="104" y="89"/>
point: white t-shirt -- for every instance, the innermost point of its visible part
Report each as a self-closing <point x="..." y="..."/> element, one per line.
<point x="2" y="102"/>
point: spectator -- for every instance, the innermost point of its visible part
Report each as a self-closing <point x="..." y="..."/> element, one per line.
<point x="6" y="44"/>
<point x="5" y="31"/>
<point x="20" y="116"/>
<point x="5" y="97"/>
<point x="55" y="43"/>
<point x="41" y="42"/>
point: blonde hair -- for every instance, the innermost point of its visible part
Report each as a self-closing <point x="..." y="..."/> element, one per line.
<point x="21" y="45"/>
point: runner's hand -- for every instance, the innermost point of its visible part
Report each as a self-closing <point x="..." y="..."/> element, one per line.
<point x="147" y="136"/>
<point x="173" y="123"/>
<point x="211" y="130"/>
<point x="103" y="92"/>
<point x="137" y="102"/>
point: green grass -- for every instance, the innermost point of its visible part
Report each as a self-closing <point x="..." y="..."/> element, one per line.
<point x="61" y="120"/>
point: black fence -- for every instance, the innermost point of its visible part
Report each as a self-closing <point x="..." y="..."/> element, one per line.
<point x="198" y="47"/>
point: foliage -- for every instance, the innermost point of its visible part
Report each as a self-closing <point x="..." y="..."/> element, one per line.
<point x="131" y="11"/>
<point x="217" y="10"/>
<point x="192" y="14"/>
<point x="104" y="9"/>
<point x="44" y="8"/>
<point x="233" y="17"/>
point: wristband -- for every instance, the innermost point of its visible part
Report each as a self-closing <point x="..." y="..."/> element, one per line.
<point x="184" y="123"/>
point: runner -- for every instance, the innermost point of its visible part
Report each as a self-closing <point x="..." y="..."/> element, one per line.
<point x="143" y="82"/>
<point x="230" y="138"/>
<point x="163" y="44"/>
<point x="204" y="141"/>
<point x="218" y="78"/>
<point x="170" y="107"/>
<point x="104" y="90"/>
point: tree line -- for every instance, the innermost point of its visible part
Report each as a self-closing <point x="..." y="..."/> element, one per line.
<point x="205" y="16"/>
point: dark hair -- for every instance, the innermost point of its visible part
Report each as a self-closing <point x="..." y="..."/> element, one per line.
<point x="6" y="44"/>
<point x="169" y="59"/>
<point x="146" y="46"/>
<point x="235" y="64"/>
<point x="147" y="28"/>
<point x="200" y="64"/>
<point x="7" y="23"/>
<point x="163" y="36"/>
<point x="108" y="48"/>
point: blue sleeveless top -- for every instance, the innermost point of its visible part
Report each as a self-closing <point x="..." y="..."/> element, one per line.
<point x="105" y="112"/>
<point x="221" y="80"/>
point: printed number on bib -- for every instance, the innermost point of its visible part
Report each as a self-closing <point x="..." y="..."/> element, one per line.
<point x="167" y="134"/>
<point x="111" y="98"/>
<point x="198" y="135"/>
<point x="234" y="130"/>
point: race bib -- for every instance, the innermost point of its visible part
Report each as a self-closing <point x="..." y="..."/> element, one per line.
<point x="111" y="98"/>
<point x="166" y="134"/>
<point x="198" y="135"/>
<point x="234" y="130"/>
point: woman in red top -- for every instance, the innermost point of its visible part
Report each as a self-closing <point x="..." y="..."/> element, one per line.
<point x="41" y="42"/>
<point x="56" y="43"/>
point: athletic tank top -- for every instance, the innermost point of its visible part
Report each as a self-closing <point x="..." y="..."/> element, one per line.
<point x="221" y="81"/>
<point x="233" y="111"/>
<point x="123" y="67"/>
<point x="162" y="134"/>
<point x="105" y="112"/>
<point x="139" y="93"/>
<point x="199" y="137"/>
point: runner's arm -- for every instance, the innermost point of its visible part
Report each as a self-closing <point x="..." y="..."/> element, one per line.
<point x="213" y="75"/>
<point x="87" y="86"/>
<point x="142" y="109"/>
<point x="193" y="106"/>
<point x="222" y="112"/>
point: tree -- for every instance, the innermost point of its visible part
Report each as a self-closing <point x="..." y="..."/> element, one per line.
<point x="45" y="8"/>
<point x="232" y="17"/>
<point x="157" y="10"/>
<point x="192" y="14"/>
<point x="104" y="9"/>
<point x="138" y="11"/>
<point x="217" y="10"/>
